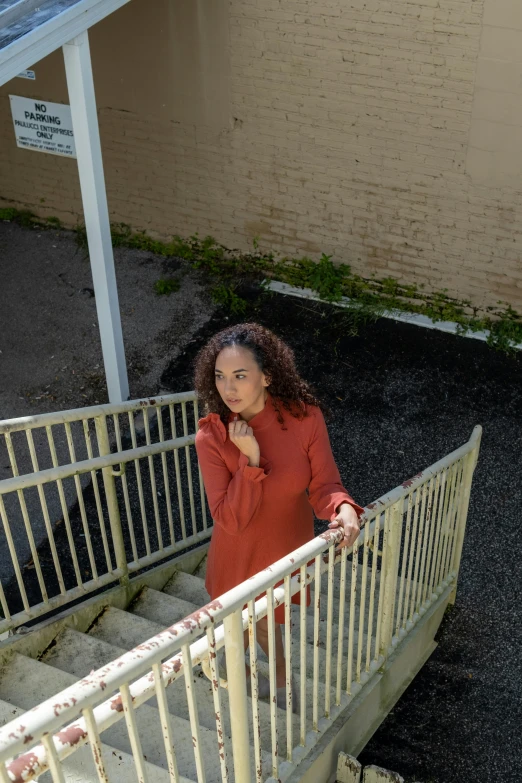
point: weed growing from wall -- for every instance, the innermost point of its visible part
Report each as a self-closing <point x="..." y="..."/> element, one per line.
<point x="228" y="272"/>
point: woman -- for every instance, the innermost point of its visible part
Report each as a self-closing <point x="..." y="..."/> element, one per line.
<point x="262" y="446"/>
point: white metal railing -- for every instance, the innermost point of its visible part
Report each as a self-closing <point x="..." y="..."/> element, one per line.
<point x="349" y="770"/>
<point x="124" y="496"/>
<point x="405" y="560"/>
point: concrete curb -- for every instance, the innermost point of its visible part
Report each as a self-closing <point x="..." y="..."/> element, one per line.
<point x="450" y="327"/>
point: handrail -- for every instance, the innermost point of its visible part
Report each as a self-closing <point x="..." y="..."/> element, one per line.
<point x="69" y="703"/>
<point x="52" y="456"/>
<point x="61" y="472"/>
<point x="80" y="414"/>
<point x="77" y="705"/>
<point x="388" y="499"/>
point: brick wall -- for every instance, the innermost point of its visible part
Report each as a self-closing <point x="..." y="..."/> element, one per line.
<point x="348" y="133"/>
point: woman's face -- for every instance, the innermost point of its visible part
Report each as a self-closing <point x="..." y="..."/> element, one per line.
<point x="239" y="380"/>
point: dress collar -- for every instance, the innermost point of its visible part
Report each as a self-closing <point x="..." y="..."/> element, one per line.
<point x="262" y="419"/>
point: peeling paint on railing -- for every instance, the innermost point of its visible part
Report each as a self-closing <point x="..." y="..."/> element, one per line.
<point x="85" y="433"/>
<point x="411" y="539"/>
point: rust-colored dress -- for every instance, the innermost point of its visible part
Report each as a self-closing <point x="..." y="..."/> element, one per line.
<point x="262" y="513"/>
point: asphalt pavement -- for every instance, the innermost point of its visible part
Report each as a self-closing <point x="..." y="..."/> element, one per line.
<point x="50" y="350"/>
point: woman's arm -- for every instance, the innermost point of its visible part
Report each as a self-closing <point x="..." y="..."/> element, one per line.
<point x="326" y="493"/>
<point x="233" y="498"/>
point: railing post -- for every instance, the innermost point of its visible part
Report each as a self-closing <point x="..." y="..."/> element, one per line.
<point x="236" y="676"/>
<point x="111" y="497"/>
<point x="469" y="469"/>
<point x="390" y="572"/>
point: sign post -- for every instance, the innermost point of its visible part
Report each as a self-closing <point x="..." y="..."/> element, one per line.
<point x="80" y="83"/>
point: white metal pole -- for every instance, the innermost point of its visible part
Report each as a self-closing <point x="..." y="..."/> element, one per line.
<point x="237" y="692"/>
<point x="80" y="83"/>
<point x="469" y="468"/>
<point x="390" y="573"/>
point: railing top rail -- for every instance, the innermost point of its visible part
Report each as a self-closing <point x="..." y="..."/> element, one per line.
<point x="80" y="414"/>
<point x="409" y="486"/>
<point x="61" y="472"/>
<point x="66" y="706"/>
<point x="69" y="703"/>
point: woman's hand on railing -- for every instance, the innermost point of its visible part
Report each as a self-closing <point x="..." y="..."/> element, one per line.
<point x="347" y="519"/>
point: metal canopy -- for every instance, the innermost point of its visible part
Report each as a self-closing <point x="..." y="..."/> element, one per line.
<point x="32" y="29"/>
<point x="29" y="31"/>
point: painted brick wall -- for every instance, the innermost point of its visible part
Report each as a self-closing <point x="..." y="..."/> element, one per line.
<point x="348" y="133"/>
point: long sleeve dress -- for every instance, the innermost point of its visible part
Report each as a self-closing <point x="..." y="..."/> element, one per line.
<point x="263" y="513"/>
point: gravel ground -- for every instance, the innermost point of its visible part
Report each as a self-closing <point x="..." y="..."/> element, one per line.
<point x="402" y="397"/>
<point x="50" y="350"/>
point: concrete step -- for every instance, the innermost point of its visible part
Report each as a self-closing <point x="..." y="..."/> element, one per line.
<point x="309" y="663"/>
<point x="161" y="607"/>
<point x="337" y="579"/>
<point x="122" y="627"/>
<point x="164" y="609"/>
<point x="9" y="712"/>
<point x="200" y="592"/>
<point x="80" y="768"/>
<point x="25" y="682"/>
<point x="189" y="587"/>
<point x="323" y="627"/>
<point x="336" y="590"/>
<point x="201" y="570"/>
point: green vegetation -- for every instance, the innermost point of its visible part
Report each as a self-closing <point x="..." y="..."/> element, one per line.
<point x="230" y="272"/>
<point x="227" y="271"/>
<point x="167" y="285"/>
<point x="27" y="219"/>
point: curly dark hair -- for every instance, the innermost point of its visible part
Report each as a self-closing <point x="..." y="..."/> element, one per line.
<point x="275" y="359"/>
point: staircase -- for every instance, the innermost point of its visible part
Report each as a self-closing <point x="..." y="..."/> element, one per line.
<point x="103" y="706"/>
<point x="25" y="682"/>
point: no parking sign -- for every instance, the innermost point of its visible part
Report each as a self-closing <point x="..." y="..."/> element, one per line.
<point x="43" y="126"/>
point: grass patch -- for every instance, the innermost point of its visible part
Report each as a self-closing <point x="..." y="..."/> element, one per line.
<point x="27" y="219"/>
<point x="166" y="286"/>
